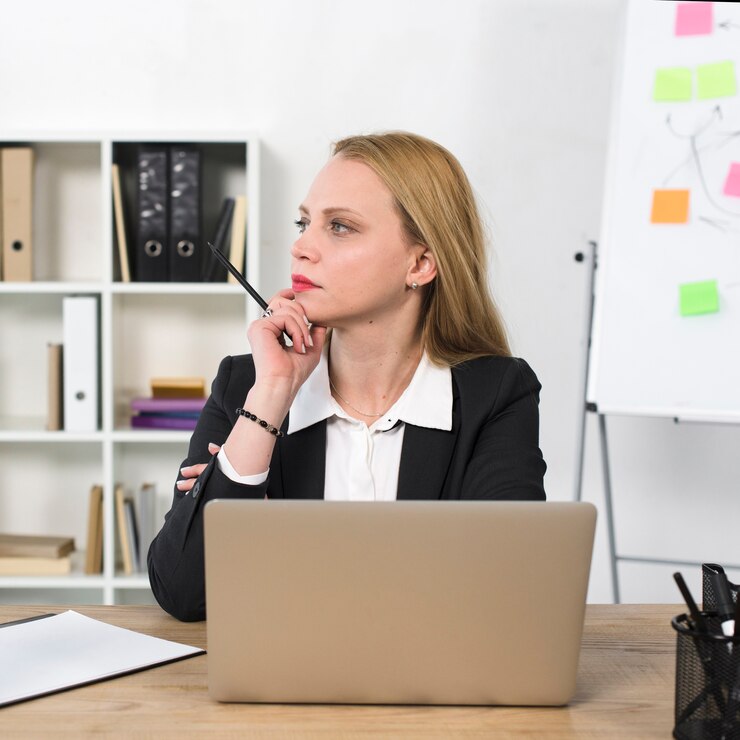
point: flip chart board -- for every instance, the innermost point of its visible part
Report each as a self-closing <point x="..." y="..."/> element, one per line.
<point x="666" y="326"/>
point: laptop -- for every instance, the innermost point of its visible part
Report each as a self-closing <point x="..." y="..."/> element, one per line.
<point x="403" y="602"/>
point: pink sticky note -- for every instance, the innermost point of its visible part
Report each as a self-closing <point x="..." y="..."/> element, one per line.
<point x="732" y="183"/>
<point x="694" y="19"/>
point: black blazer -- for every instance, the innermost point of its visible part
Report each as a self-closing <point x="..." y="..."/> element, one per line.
<point x="492" y="452"/>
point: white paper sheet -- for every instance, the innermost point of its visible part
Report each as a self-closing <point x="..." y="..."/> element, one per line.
<point x="68" y="649"/>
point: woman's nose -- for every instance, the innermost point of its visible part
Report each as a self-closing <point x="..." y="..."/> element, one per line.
<point x="304" y="248"/>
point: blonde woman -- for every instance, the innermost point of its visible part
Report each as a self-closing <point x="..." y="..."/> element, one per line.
<point x="399" y="383"/>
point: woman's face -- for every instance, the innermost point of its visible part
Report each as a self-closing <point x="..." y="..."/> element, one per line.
<point x="350" y="262"/>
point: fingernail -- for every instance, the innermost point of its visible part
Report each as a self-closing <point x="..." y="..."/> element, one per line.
<point x="310" y="341"/>
<point x="303" y="344"/>
<point x="212" y="444"/>
<point x="305" y="318"/>
<point x="180" y="483"/>
<point x="182" y="471"/>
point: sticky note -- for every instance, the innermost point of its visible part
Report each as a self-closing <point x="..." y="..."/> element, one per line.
<point x="715" y="80"/>
<point x="732" y="183"/>
<point x="698" y="298"/>
<point x="670" y="207"/>
<point x="672" y="84"/>
<point x="694" y="19"/>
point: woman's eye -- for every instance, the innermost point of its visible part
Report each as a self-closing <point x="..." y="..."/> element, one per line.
<point x="301" y="223"/>
<point x="339" y="228"/>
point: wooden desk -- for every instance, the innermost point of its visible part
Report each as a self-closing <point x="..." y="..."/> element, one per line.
<point x="625" y="690"/>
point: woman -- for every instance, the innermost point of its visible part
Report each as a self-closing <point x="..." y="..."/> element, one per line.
<point x="412" y="394"/>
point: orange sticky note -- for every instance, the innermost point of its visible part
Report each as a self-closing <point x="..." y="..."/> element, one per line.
<point x="670" y="207"/>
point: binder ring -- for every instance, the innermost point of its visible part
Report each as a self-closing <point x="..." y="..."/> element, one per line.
<point x="185" y="248"/>
<point x="153" y="248"/>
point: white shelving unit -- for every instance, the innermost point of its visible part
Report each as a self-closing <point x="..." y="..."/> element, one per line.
<point x="147" y="330"/>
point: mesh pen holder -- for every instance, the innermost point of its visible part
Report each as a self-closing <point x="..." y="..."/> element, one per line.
<point x="707" y="682"/>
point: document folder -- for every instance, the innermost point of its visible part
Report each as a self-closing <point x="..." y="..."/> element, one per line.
<point x="55" y="652"/>
<point x="17" y="199"/>
<point x="151" y="235"/>
<point x="80" y="361"/>
<point x="185" y="248"/>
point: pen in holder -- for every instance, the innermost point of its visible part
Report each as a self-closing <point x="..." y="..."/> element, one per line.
<point x="707" y="703"/>
<point x="707" y="686"/>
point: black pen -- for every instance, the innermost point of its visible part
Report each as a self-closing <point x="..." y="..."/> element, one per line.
<point x="723" y="598"/>
<point x="261" y="302"/>
<point x="699" y="622"/>
<point x="221" y="257"/>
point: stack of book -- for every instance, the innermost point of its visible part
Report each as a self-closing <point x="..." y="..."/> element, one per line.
<point x="175" y="403"/>
<point x="35" y="555"/>
<point x="166" y="413"/>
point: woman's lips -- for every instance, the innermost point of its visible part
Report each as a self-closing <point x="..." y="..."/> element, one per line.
<point x="301" y="282"/>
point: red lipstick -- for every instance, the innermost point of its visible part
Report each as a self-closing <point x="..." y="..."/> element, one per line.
<point x="301" y="283"/>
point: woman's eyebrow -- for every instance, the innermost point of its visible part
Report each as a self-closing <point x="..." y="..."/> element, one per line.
<point x="331" y="210"/>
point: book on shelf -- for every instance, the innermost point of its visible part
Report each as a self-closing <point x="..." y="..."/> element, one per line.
<point x="181" y="387"/>
<point x="173" y="405"/>
<point x="132" y="532"/>
<point x="16" y="204"/>
<point x="147" y="512"/>
<point x="94" y="553"/>
<point x="163" y="421"/>
<point x="35" y="546"/>
<point x="238" y="237"/>
<point x="55" y="389"/>
<point x="37" y="566"/>
<point x="120" y="222"/>
<point x="123" y="537"/>
<point x="213" y="270"/>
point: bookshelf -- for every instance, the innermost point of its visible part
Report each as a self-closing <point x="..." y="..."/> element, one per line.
<point x="146" y="330"/>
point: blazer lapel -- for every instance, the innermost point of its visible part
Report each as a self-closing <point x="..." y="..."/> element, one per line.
<point x="306" y="451"/>
<point x="425" y="458"/>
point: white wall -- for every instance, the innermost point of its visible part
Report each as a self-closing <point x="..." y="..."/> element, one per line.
<point x="519" y="90"/>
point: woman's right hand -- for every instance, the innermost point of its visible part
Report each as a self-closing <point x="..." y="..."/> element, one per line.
<point x="277" y="365"/>
<point x="190" y="473"/>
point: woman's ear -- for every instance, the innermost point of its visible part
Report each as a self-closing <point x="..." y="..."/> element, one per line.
<point x="424" y="268"/>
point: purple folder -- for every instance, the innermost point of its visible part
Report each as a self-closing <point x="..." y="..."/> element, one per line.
<point x="163" y="422"/>
<point x="168" y="404"/>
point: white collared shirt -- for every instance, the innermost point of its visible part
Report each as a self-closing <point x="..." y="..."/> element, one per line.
<point x="362" y="462"/>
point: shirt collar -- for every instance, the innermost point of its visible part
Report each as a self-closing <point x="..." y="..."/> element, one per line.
<point x="426" y="402"/>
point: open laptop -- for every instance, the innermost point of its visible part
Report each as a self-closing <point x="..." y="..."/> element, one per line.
<point x="405" y="602"/>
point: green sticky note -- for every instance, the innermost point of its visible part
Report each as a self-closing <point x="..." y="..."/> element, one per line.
<point x="699" y="298"/>
<point x="715" y="80"/>
<point x="672" y="84"/>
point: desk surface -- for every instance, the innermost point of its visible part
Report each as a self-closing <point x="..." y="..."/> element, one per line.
<point x="625" y="690"/>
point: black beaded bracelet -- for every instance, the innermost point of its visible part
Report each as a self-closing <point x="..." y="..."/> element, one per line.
<point x="267" y="427"/>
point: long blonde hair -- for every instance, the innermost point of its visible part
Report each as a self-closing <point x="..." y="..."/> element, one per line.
<point x="460" y="320"/>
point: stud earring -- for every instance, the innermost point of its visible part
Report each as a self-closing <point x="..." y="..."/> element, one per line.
<point x="414" y="286"/>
